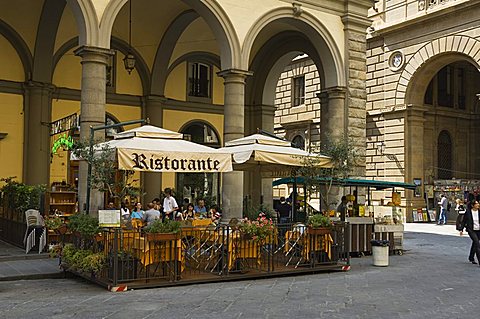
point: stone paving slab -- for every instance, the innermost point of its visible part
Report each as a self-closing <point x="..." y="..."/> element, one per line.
<point x="431" y="280"/>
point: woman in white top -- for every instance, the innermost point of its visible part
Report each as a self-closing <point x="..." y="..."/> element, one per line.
<point x="124" y="211"/>
<point x="471" y="222"/>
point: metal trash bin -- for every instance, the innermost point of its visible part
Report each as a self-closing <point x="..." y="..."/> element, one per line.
<point x="380" y="252"/>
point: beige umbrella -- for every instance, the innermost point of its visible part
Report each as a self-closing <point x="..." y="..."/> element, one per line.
<point x="153" y="149"/>
<point x="275" y="157"/>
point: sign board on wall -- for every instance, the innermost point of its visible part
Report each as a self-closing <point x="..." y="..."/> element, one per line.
<point x="109" y="218"/>
<point x="65" y="124"/>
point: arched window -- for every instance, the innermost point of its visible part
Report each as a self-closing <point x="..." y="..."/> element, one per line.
<point x="201" y="133"/>
<point x="192" y="186"/>
<point x="444" y="155"/>
<point x="299" y="142"/>
<point x="109" y="120"/>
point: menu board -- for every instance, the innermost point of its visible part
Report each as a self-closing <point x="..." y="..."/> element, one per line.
<point x="109" y="218"/>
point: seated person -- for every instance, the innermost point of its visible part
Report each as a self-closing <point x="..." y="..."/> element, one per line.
<point x="124" y="211"/>
<point x="189" y="213"/>
<point x="212" y="211"/>
<point x="110" y="205"/>
<point x="137" y="215"/>
<point x="201" y="208"/>
<point x="216" y="218"/>
<point x="151" y="214"/>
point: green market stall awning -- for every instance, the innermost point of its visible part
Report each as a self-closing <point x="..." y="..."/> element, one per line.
<point x="348" y="182"/>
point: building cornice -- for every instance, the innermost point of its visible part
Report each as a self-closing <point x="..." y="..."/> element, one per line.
<point x="420" y="18"/>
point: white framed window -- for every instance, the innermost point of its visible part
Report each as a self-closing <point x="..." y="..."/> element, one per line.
<point x="298" y="90"/>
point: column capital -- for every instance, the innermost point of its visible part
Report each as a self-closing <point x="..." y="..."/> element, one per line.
<point x="29" y="85"/>
<point x="230" y="74"/>
<point x="336" y="92"/>
<point x="157" y="99"/>
<point x="94" y="54"/>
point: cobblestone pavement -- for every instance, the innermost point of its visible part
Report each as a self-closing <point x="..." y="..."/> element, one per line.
<point x="431" y="280"/>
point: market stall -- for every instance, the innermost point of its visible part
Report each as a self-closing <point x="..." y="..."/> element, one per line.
<point x="367" y="221"/>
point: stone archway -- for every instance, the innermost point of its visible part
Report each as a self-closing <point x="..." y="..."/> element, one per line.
<point x="440" y="52"/>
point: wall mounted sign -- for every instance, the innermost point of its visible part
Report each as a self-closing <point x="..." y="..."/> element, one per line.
<point x="65" y="124"/>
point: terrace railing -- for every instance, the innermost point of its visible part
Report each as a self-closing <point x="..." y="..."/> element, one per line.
<point x="198" y="254"/>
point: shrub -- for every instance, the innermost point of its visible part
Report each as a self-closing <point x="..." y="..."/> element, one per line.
<point x="319" y="220"/>
<point x="86" y="225"/>
<point x="168" y="226"/>
<point x="93" y="263"/>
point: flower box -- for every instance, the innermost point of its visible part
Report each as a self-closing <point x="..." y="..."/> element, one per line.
<point x="319" y="230"/>
<point x="161" y="236"/>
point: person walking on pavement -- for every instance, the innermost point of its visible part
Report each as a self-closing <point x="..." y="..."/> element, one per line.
<point x="442" y="219"/>
<point x="460" y="209"/>
<point x="471" y="222"/>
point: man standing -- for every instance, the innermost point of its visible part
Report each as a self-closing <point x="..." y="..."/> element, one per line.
<point x="283" y="209"/>
<point x="342" y="207"/>
<point x="169" y="204"/>
<point x="442" y="219"/>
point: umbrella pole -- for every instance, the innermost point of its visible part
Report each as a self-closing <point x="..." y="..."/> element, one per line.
<point x="294" y="199"/>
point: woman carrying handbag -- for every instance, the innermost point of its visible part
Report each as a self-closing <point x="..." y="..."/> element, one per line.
<point x="471" y="222"/>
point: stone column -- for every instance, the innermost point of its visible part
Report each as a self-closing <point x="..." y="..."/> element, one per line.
<point x="356" y="22"/>
<point x="414" y="151"/>
<point x="154" y="112"/>
<point x="92" y="113"/>
<point x="333" y="124"/>
<point x="38" y="115"/>
<point x="234" y="121"/>
<point x="332" y="113"/>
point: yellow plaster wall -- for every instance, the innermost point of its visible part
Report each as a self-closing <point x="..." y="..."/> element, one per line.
<point x="126" y="83"/>
<point x="62" y="108"/>
<point x="68" y="72"/>
<point x="175" y="120"/>
<point x="176" y="84"/>
<point x="217" y="92"/>
<point x="196" y="37"/>
<point x="23" y="16"/>
<point x="67" y="28"/>
<point x="13" y="70"/>
<point x="11" y="147"/>
<point x="150" y="19"/>
<point x="125" y="113"/>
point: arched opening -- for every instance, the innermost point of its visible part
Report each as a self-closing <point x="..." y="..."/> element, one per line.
<point x="194" y="186"/>
<point x="298" y="142"/>
<point x="444" y="156"/>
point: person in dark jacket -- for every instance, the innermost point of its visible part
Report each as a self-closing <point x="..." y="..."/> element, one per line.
<point x="471" y="222"/>
<point x="460" y="209"/>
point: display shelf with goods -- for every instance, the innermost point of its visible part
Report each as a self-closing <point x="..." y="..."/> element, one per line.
<point x="453" y="189"/>
<point x="61" y="204"/>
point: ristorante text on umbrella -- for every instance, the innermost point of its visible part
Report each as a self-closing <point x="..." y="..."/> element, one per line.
<point x="164" y="163"/>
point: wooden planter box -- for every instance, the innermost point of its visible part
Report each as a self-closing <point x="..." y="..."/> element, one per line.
<point x="319" y="231"/>
<point x="161" y="236"/>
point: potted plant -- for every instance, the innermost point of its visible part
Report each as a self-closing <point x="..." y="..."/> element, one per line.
<point x="162" y="231"/>
<point x="56" y="224"/>
<point x="319" y="224"/>
<point x="258" y="230"/>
